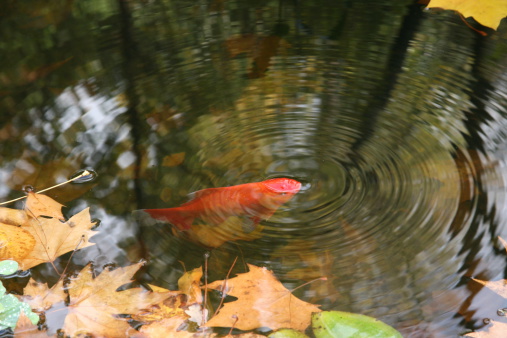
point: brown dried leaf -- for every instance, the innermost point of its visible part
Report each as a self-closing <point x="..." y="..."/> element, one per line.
<point x="25" y="328"/>
<point x="262" y="302"/>
<point x="54" y="238"/>
<point x="15" y="243"/>
<point x="42" y="205"/>
<point x="494" y="330"/>
<point x="40" y="297"/>
<point x="499" y="287"/>
<point x="13" y="216"/>
<point x="95" y="303"/>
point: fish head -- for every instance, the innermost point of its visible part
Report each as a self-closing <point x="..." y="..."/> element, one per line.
<point x="281" y="190"/>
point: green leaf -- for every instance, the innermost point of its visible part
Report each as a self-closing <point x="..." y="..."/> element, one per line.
<point x="8" y="267"/>
<point x="327" y="324"/>
<point x="10" y="309"/>
<point x="287" y="333"/>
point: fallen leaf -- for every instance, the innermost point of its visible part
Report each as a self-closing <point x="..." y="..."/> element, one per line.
<point x="15" y="242"/>
<point x="189" y="285"/>
<point x="25" y="328"/>
<point x="487" y="13"/>
<point x="169" y="328"/>
<point x="493" y="330"/>
<point x="95" y="304"/>
<point x="499" y="287"/>
<point x="170" y="307"/>
<point x="54" y="238"/>
<point x="42" y="205"/>
<point x="40" y="297"/>
<point x="13" y="216"/>
<point x="262" y="302"/>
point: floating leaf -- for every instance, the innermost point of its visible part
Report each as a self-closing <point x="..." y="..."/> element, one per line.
<point x="54" y="238"/>
<point x="95" y="304"/>
<point x="495" y="329"/>
<point x="487" y="13"/>
<point x="262" y="302"/>
<point x="8" y="267"/>
<point x="42" y="205"/>
<point x="350" y="325"/>
<point x="15" y="242"/>
<point x="10" y="308"/>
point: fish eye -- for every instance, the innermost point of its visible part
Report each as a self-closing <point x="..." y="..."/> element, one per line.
<point x="283" y="193"/>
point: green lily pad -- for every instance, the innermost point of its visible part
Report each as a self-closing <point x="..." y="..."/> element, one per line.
<point x="8" y="267"/>
<point x="287" y="333"/>
<point x="327" y="324"/>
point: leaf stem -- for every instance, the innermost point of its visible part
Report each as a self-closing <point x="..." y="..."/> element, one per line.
<point x="84" y="173"/>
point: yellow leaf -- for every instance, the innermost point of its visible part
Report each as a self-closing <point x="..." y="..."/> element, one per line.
<point x="189" y="285"/>
<point x="487" y="13"/>
<point x="42" y="205"/>
<point x="15" y="243"/>
<point x="262" y="302"/>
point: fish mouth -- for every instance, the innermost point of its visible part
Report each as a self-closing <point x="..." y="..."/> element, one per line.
<point x="283" y="185"/>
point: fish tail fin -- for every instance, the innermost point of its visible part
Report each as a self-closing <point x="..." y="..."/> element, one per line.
<point x="181" y="220"/>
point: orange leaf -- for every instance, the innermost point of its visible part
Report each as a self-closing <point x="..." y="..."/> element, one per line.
<point x="262" y="302"/>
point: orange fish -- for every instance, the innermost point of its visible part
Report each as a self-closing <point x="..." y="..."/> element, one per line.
<point x="256" y="201"/>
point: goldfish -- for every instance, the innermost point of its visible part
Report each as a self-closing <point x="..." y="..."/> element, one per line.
<point x="254" y="201"/>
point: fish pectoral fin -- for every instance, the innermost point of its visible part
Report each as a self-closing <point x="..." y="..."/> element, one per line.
<point x="250" y="223"/>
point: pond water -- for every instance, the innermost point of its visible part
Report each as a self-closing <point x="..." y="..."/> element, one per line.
<point x="391" y="116"/>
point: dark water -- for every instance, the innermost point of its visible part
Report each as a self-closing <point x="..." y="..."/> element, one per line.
<point x="392" y="117"/>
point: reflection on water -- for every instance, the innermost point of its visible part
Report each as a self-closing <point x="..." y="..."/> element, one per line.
<point x="392" y="118"/>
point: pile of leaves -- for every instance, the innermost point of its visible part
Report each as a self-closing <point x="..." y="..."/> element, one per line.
<point x="87" y="305"/>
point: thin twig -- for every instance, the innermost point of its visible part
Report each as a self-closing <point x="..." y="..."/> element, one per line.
<point x="84" y="173"/>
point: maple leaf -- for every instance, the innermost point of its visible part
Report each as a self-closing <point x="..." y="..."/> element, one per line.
<point x="94" y="302"/>
<point x="40" y="297"/>
<point x="189" y="285"/>
<point x="487" y="13"/>
<point x="42" y="205"/>
<point x="495" y="329"/>
<point x="54" y="238"/>
<point x="15" y="243"/>
<point x="262" y="302"/>
<point x="25" y="328"/>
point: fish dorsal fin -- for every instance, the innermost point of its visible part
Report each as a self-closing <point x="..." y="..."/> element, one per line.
<point x="202" y="193"/>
